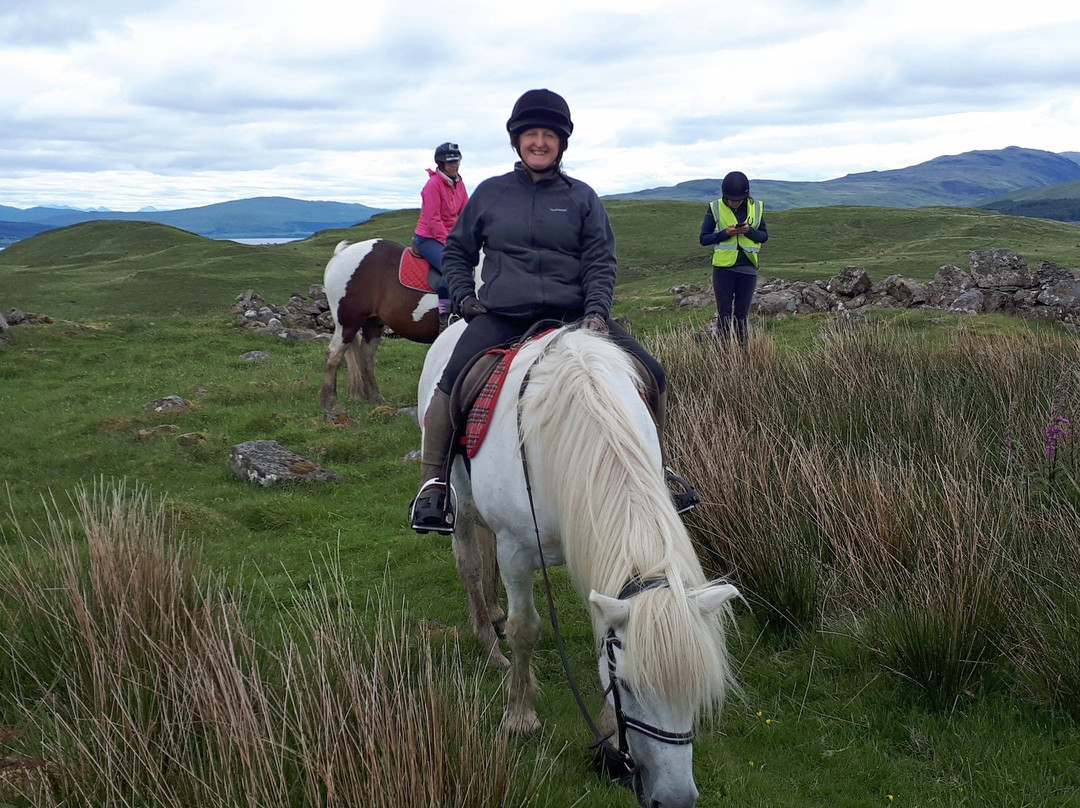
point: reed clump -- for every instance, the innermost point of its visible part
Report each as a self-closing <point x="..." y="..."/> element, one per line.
<point x="132" y="678"/>
<point x="919" y="492"/>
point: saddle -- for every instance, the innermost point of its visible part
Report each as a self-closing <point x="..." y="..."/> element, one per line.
<point x="477" y="389"/>
<point x="416" y="273"/>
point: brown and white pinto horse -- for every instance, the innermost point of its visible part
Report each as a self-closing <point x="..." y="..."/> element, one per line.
<point x="365" y="294"/>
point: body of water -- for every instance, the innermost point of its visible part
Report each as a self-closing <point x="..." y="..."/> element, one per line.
<point x="262" y="240"/>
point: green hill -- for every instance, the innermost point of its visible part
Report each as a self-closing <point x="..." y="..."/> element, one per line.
<point x="102" y="269"/>
<point x="1060" y="202"/>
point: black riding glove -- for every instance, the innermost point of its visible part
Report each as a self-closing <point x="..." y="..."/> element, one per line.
<point x="595" y="322"/>
<point x="471" y="307"/>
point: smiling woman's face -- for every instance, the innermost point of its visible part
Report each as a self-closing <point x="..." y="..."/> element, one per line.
<point x="539" y="148"/>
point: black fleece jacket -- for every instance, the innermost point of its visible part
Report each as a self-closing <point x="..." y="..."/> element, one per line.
<point x="547" y="245"/>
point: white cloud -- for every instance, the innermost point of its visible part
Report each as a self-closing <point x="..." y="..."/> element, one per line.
<point x="125" y="104"/>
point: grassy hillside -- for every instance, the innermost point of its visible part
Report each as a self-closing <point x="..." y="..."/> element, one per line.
<point x="821" y="719"/>
<point x="1060" y="202"/>
<point x="99" y="269"/>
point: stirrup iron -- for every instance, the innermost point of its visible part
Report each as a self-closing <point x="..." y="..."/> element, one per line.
<point x="435" y="508"/>
<point x="683" y="495"/>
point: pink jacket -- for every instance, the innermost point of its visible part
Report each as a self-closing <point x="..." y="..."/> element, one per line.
<point x="441" y="203"/>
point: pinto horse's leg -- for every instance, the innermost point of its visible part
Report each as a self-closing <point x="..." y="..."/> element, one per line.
<point x="523" y="632"/>
<point x="361" y="361"/>
<point x="473" y="569"/>
<point x="334" y="354"/>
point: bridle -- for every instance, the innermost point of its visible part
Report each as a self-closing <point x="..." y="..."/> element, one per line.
<point x="615" y="761"/>
<point x="624" y="722"/>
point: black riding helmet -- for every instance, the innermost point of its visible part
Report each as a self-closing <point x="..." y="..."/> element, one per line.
<point x="447" y="153"/>
<point x="735" y="185"/>
<point x="541" y="108"/>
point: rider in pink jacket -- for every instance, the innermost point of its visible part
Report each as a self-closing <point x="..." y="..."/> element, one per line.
<point x="443" y="197"/>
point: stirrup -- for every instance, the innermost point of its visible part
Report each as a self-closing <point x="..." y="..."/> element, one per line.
<point x="433" y="510"/>
<point x="683" y="495"/>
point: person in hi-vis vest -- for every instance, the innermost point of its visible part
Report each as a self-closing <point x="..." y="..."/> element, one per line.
<point x="734" y="227"/>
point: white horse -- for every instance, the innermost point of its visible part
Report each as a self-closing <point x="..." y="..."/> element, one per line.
<point x="596" y="490"/>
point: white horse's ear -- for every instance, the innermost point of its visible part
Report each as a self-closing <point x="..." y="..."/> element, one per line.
<point x="614" y="611"/>
<point x="714" y="597"/>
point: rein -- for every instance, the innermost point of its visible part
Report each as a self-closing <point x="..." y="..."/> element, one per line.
<point x="615" y="761"/>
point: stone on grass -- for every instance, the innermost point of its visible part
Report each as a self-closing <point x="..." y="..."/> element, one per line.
<point x="267" y="462"/>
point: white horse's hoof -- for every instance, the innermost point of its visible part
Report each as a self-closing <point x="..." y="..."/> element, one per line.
<point x="499" y="660"/>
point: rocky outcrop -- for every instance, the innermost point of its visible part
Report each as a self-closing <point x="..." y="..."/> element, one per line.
<point x="170" y="403"/>
<point x="16" y="317"/>
<point x="300" y="318"/>
<point x="999" y="281"/>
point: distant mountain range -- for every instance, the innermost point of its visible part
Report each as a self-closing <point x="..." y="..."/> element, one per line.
<point x="260" y="217"/>
<point x="1008" y="180"/>
<point x="1016" y="181"/>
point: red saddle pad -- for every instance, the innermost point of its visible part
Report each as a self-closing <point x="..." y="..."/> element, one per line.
<point x="481" y="409"/>
<point x="413" y="272"/>
<point x="484" y="405"/>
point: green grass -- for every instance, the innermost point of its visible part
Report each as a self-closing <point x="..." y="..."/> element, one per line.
<point x="844" y="730"/>
<point x="658" y="242"/>
<point x="840" y="724"/>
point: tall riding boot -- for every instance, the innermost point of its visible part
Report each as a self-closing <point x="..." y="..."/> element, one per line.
<point x="683" y="494"/>
<point x="435" y="506"/>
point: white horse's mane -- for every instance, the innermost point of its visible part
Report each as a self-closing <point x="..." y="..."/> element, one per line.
<point x="618" y="520"/>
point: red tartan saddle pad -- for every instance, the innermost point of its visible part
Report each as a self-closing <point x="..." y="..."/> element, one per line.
<point x="484" y="405"/>
<point x="479" y="390"/>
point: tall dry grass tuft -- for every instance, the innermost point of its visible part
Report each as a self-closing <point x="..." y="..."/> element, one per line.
<point x="940" y="617"/>
<point x="883" y="481"/>
<point x="139" y="684"/>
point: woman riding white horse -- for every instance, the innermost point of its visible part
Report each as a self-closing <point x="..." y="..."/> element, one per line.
<point x="549" y="254"/>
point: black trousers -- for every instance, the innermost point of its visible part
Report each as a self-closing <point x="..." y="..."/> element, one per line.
<point x="490" y="330"/>
<point x="734" y="293"/>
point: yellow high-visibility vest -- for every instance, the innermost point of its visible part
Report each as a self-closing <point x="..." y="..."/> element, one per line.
<point x="725" y="252"/>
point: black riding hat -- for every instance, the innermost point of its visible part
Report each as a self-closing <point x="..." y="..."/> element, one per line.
<point x="447" y="153"/>
<point x="735" y="185"/>
<point x="541" y="108"/>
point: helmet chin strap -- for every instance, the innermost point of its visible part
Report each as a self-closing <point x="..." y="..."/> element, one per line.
<point x="551" y="169"/>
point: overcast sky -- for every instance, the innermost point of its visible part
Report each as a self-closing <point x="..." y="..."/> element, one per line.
<point x="179" y="103"/>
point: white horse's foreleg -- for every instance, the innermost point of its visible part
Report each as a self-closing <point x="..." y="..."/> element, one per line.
<point x="334" y="354"/>
<point x="473" y="570"/>
<point x="523" y="632"/>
